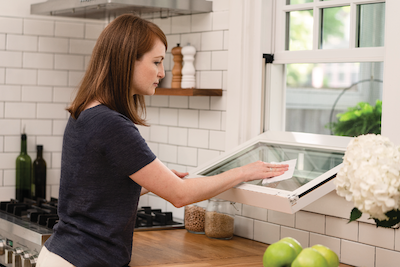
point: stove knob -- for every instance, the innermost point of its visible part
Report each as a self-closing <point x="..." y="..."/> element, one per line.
<point x="8" y="255"/>
<point x="2" y="246"/>
<point x="17" y="257"/>
<point x="28" y="259"/>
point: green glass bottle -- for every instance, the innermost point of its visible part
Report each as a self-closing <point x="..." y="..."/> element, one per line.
<point x="39" y="175"/>
<point x="23" y="173"/>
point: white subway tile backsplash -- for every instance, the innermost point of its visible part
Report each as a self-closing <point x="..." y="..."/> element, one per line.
<point x="51" y="111"/>
<point x="10" y="59"/>
<point x="10" y="93"/>
<point x="11" y="25"/>
<point x="281" y="218"/>
<point x="2" y="41"/>
<point x="268" y="233"/>
<point x="168" y="153"/>
<point x="254" y="212"/>
<point x="37" y="127"/>
<point x="357" y="254"/>
<point x="187" y="156"/>
<point x="7" y="192"/>
<point x="167" y="80"/>
<point x="188" y="118"/>
<point x="302" y="236"/>
<point x="53" y="192"/>
<point x="38" y="27"/>
<point x="53" y="45"/>
<point x="387" y="258"/>
<point x="53" y="77"/>
<point x="153" y="147"/>
<point x="210" y="120"/>
<point x="339" y="227"/>
<point x="50" y="143"/>
<point x="179" y="101"/>
<point x="220" y="5"/>
<point x="212" y="40"/>
<point x="194" y="39"/>
<point x="63" y="94"/>
<point x="69" y="29"/>
<point x="372" y="235"/>
<point x="159" y="101"/>
<point x="202" y="61"/>
<point x="59" y="126"/>
<point x="172" y="40"/>
<point x="12" y="144"/>
<point x="10" y="127"/>
<point x="159" y="133"/>
<point x="220" y="21"/>
<point x="164" y="24"/>
<point x="211" y="80"/>
<point x="38" y="60"/>
<point x="217" y="140"/>
<point x="92" y="31"/>
<point x="55" y="160"/>
<point x="21" y="76"/>
<point x="1" y="109"/>
<point x="244" y="227"/>
<point x="178" y="136"/>
<point x="9" y="177"/>
<point x="78" y="46"/>
<point x="2" y="75"/>
<point x="330" y="242"/>
<point x="219" y="60"/>
<point x="75" y="77"/>
<point x="144" y="131"/>
<point x="53" y="177"/>
<point x="20" y="110"/>
<point x="202" y="22"/>
<point x="199" y="102"/>
<point x="198" y="138"/>
<point x="156" y="202"/>
<point x="69" y="62"/>
<point x="22" y="42"/>
<point x="309" y="221"/>
<point x="180" y="24"/>
<point x="218" y="102"/>
<point x="206" y="155"/>
<point x="7" y="160"/>
<point x="169" y="116"/>
<point x="153" y="115"/>
<point x="226" y="40"/>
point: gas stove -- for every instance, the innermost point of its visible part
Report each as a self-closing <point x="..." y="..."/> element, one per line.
<point x="25" y="227"/>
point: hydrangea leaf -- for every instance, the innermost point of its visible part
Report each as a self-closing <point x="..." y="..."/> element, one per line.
<point x="394" y="218"/>
<point x="355" y="214"/>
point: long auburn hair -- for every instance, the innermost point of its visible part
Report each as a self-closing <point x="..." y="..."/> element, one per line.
<point x="109" y="76"/>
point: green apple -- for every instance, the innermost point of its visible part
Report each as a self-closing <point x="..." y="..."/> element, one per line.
<point x="296" y="244"/>
<point x="330" y="256"/>
<point x="279" y="254"/>
<point x="309" y="257"/>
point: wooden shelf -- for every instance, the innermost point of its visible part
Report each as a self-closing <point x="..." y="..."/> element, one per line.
<point x="188" y="92"/>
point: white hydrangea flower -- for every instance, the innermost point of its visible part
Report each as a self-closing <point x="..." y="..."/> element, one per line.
<point x="370" y="176"/>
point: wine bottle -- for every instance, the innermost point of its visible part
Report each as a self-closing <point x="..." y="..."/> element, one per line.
<point x="23" y="173"/>
<point x="39" y="175"/>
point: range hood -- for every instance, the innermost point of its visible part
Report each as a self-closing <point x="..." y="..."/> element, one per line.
<point x="105" y="9"/>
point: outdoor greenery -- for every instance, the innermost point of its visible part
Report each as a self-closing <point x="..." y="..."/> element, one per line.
<point x="358" y="120"/>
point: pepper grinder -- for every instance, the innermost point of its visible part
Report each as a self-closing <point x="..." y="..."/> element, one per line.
<point x="188" y="71"/>
<point x="177" y="69"/>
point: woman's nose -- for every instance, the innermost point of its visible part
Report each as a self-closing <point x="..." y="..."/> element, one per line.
<point x="161" y="72"/>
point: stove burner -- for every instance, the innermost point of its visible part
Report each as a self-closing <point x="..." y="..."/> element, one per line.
<point x="37" y="211"/>
<point x="147" y="217"/>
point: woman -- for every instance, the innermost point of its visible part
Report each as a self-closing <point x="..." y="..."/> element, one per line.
<point x="106" y="164"/>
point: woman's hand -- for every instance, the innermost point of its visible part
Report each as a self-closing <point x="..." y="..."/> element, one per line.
<point x="261" y="170"/>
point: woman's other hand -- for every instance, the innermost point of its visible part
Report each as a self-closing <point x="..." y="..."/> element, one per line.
<point x="180" y="174"/>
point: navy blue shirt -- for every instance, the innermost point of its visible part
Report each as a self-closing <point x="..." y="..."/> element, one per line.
<point x="97" y="199"/>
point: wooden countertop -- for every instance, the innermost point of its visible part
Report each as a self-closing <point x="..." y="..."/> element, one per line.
<point x="182" y="249"/>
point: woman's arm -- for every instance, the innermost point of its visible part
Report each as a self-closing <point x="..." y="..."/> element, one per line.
<point x="179" y="174"/>
<point x="157" y="178"/>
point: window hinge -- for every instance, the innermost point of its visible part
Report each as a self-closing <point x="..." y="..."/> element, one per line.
<point x="293" y="199"/>
<point x="269" y="58"/>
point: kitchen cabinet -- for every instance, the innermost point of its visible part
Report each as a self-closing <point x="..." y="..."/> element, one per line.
<point x="188" y="92"/>
<point x="179" y="248"/>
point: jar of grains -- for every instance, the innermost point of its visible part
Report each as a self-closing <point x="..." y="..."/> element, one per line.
<point x="220" y="220"/>
<point x="194" y="219"/>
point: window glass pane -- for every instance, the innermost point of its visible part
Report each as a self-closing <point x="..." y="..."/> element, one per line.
<point x="317" y="93"/>
<point x="296" y="2"/>
<point x="299" y="33"/>
<point x="371" y="30"/>
<point x="335" y="28"/>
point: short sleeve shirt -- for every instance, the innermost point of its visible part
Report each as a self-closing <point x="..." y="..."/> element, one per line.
<point x="98" y="201"/>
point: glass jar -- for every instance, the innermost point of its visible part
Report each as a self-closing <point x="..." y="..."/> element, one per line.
<point x="194" y="219"/>
<point x="220" y="220"/>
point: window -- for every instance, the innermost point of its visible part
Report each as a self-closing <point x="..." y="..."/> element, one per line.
<point x="329" y="59"/>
